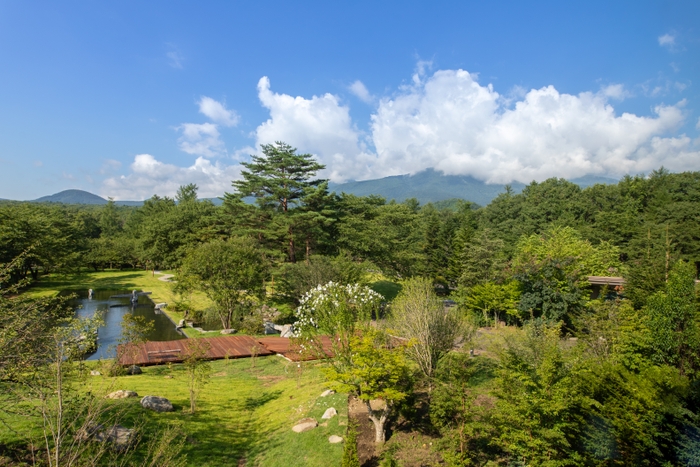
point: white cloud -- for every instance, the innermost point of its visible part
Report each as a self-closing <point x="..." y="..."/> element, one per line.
<point x="615" y="91"/>
<point x="201" y="139"/>
<point x="149" y="176"/>
<point x="360" y="90"/>
<point x="320" y="125"/>
<point x="450" y="122"/>
<point x="175" y="58"/>
<point x="667" y="40"/>
<point x="217" y="112"/>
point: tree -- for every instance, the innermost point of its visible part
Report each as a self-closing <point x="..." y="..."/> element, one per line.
<point x="338" y="311"/>
<point x="197" y="368"/>
<point x="674" y="321"/>
<point x="279" y="180"/>
<point x="374" y="371"/>
<point x="230" y="273"/>
<point x="420" y="316"/>
<point x="490" y="300"/>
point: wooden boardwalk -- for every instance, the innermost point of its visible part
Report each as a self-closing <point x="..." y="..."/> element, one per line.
<point x="157" y="352"/>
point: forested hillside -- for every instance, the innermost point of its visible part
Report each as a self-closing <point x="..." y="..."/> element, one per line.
<point x="572" y="380"/>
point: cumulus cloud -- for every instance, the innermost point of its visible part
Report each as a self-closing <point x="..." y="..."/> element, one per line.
<point x="201" y="139"/>
<point x="320" y="125"/>
<point x="450" y="122"/>
<point x="149" y="176"/>
<point x="359" y="89"/>
<point x="217" y="112"/>
<point x="667" y="40"/>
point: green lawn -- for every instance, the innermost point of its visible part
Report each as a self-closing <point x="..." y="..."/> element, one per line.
<point x="146" y="281"/>
<point x="244" y="412"/>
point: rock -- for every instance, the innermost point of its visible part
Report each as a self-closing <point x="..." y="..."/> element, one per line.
<point x="329" y="413"/>
<point x="118" y="435"/>
<point x="121" y="394"/>
<point x="327" y="392"/>
<point x="160" y="306"/>
<point x="269" y="328"/>
<point x="286" y="330"/>
<point x="181" y="324"/>
<point x="168" y="376"/>
<point x="95" y="373"/>
<point x="157" y="404"/>
<point x="305" y="424"/>
<point x="228" y="331"/>
<point x="335" y="439"/>
<point x="134" y="370"/>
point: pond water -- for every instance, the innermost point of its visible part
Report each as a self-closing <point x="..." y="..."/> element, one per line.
<point x="113" y="309"/>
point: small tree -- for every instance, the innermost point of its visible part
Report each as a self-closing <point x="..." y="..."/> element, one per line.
<point x="230" y="273"/>
<point x="198" y="369"/>
<point x="335" y="310"/>
<point x="373" y="371"/>
<point x="419" y="315"/>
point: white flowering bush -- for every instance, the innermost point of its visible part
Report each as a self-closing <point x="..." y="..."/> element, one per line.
<point x="335" y="309"/>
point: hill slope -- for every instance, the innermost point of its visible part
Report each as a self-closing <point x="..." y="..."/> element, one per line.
<point x="72" y="197"/>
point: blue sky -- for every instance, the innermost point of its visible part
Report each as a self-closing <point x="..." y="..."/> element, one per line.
<point x="130" y="99"/>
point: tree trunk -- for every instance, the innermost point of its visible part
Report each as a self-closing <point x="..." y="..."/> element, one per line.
<point x="379" y="418"/>
<point x="292" y="255"/>
<point x="308" y="249"/>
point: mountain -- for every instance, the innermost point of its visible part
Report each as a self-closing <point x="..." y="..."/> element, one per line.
<point x="431" y="186"/>
<point x="427" y="186"/>
<point x="72" y="197"/>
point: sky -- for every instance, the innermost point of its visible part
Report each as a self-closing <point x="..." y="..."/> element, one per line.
<point x="130" y="99"/>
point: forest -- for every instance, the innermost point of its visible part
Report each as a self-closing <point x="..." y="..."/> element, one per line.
<point x="548" y="373"/>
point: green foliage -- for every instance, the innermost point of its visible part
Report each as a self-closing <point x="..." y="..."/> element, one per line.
<point x="295" y="279"/>
<point x="197" y="368"/>
<point x="373" y="370"/>
<point x="490" y="302"/>
<point x="674" y="321"/>
<point x="418" y="315"/>
<point x="230" y="273"/>
<point x="350" y="457"/>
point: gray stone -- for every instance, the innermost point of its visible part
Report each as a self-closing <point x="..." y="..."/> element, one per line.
<point x="160" y="306"/>
<point x="121" y="394"/>
<point x="305" y="424"/>
<point x="329" y="413"/>
<point x="286" y="330"/>
<point x="157" y="404"/>
<point x="95" y="373"/>
<point x="228" y="331"/>
<point x="119" y="436"/>
<point x="335" y="439"/>
<point x="327" y="392"/>
<point x="181" y="324"/>
<point x="269" y="328"/>
<point x="134" y="370"/>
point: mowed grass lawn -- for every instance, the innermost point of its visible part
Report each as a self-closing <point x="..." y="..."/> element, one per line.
<point x="243" y="411"/>
<point x="161" y="291"/>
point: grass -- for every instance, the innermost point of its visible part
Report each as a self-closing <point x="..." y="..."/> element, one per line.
<point x="243" y="412"/>
<point x="161" y="291"/>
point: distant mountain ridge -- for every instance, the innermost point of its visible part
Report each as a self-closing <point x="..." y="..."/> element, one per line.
<point x="426" y="186"/>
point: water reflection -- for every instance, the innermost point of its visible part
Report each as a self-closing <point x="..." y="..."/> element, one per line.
<point x="113" y="309"/>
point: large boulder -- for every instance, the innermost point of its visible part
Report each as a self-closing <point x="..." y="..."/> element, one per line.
<point x="121" y="394"/>
<point x="329" y="413"/>
<point x="305" y="424"/>
<point x="228" y="331"/>
<point x="269" y="328"/>
<point x="157" y="404"/>
<point x="286" y="330"/>
<point x="119" y="436"/>
<point x="134" y="370"/>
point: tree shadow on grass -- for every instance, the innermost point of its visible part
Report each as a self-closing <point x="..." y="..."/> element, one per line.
<point x="252" y="403"/>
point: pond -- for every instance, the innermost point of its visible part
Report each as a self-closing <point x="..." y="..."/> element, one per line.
<point x="113" y="309"/>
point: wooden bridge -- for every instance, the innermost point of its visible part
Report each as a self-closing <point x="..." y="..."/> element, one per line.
<point x="158" y="352"/>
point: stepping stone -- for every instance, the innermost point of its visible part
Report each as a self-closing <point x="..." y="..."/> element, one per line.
<point x="335" y="439"/>
<point x="327" y="392"/>
<point x="329" y="413"/>
<point x="95" y="373"/>
<point x="121" y="394"/>
<point x="305" y="424"/>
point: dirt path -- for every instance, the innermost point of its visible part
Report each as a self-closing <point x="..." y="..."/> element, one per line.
<point x="357" y="412"/>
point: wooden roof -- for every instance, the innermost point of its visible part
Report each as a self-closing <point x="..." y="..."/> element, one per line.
<point x="604" y="280"/>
